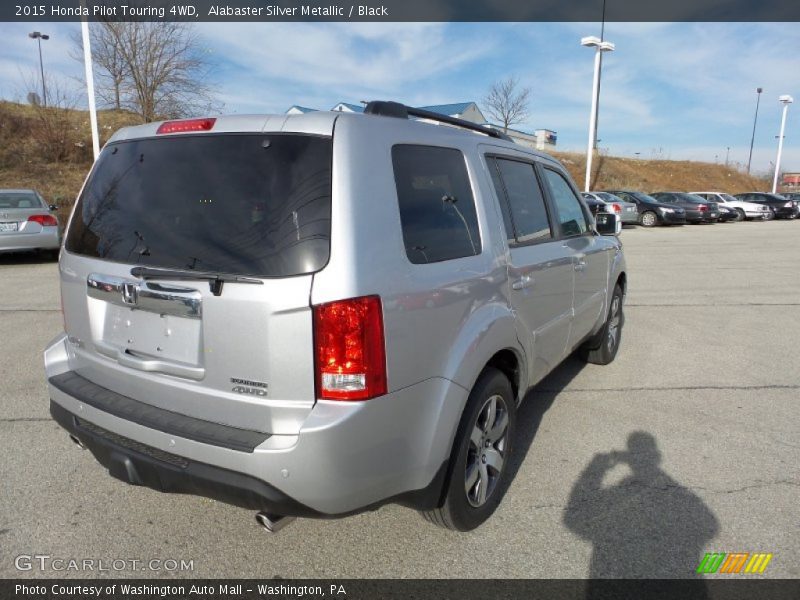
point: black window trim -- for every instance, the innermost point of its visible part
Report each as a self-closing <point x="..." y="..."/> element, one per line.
<point x="590" y="230"/>
<point x="515" y="243"/>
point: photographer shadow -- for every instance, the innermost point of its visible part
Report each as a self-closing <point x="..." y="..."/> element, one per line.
<point x="646" y="525"/>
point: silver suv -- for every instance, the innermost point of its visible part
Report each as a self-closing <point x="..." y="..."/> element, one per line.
<point x="319" y="314"/>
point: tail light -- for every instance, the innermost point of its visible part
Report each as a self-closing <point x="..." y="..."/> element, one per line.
<point x="702" y="207"/>
<point x="43" y="220"/>
<point x="349" y="354"/>
<point x="186" y="125"/>
<point x="616" y="208"/>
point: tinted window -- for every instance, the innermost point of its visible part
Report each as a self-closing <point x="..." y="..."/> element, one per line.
<point x="643" y="197"/>
<point x="524" y="211"/>
<point x="571" y="217"/>
<point x="245" y="204"/>
<point x="729" y="198"/>
<point x="437" y="209"/>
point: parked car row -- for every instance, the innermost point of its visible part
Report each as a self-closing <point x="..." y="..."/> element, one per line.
<point x="677" y="208"/>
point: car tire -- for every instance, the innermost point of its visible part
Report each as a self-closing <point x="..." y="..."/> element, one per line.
<point x="740" y="216"/>
<point x="769" y="215"/>
<point x="648" y="219"/>
<point x="602" y="348"/>
<point x="484" y="441"/>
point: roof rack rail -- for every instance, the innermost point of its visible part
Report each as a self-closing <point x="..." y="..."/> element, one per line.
<point x="401" y="111"/>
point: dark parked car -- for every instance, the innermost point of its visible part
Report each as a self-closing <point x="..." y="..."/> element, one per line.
<point x="794" y="196"/>
<point x="651" y="211"/>
<point x="728" y="214"/>
<point x="698" y="210"/>
<point x="595" y="205"/>
<point x="783" y="207"/>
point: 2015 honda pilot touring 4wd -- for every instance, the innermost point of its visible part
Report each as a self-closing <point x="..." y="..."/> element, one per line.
<point x="315" y="315"/>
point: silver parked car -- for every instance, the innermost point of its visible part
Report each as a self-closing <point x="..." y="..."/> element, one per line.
<point x="27" y="222"/>
<point x="318" y="314"/>
<point x="627" y="212"/>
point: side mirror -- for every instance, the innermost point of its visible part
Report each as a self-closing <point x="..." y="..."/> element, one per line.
<point x="607" y="224"/>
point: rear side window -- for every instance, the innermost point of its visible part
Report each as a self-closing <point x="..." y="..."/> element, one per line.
<point x="521" y="200"/>
<point x="254" y="205"/>
<point x="571" y="217"/>
<point x="437" y="208"/>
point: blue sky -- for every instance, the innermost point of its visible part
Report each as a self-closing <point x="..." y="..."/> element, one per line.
<point x="680" y="91"/>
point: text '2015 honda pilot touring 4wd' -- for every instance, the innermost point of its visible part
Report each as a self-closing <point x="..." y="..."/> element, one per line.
<point x="315" y="315"/>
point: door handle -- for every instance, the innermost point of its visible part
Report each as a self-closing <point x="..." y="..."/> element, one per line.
<point x="523" y="282"/>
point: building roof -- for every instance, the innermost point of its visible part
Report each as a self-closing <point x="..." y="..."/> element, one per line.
<point x="449" y="109"/>
<point x="358" y="108"/>
<point x="302" y="109"/>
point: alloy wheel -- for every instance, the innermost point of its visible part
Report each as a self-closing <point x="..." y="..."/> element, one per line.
<point x="613" y="323"/>
<point x="486" y="455"/>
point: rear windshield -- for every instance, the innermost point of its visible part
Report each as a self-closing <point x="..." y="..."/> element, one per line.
<point x="20" y="200"/>
<point x="256" y="205"/>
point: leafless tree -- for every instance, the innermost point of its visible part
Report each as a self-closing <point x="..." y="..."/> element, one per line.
<point x="157" y="70"/>
<point x="507" y="102"/>
<point x="111" y="75"/>
<point x="55" y="128"/>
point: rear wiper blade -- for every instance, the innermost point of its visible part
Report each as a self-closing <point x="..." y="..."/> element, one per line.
<point x="215" y="280"/>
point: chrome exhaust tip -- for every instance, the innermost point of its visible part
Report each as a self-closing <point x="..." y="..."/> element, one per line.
<point x="273" y="523"/>
<point x="77" y="442"/>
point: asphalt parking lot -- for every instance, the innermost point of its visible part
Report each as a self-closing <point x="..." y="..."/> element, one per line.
<point x="688" y="443"/>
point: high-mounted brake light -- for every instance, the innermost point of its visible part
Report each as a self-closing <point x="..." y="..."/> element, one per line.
<point x="44" y="220"/>
<point x="186" y="125"/>
<point x="349" y="354"/>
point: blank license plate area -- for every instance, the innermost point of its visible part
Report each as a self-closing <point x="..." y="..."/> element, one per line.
<point x="148" y="334"/>
<point x="9" y="227"/>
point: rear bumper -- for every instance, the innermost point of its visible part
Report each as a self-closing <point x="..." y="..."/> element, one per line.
<point x="629" y="218"/>
<point x="138" y="464"/>
<point x="348" y="456"/>
<point x="786" y="213"/>
<point x="48" y="239"/>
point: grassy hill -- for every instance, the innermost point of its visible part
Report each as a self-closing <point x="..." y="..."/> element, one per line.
<point x="50" y="150"/>
<point x="612" y="172"/>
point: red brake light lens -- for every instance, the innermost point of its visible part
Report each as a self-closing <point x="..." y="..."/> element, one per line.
<point x="617" y="208"/>
<point x="349" y="354"/>
<point x="702" y="207"/>
<point x="44" y="220"/>
<point x="187" y="125"/>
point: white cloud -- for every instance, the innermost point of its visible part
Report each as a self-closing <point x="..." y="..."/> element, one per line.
<point x="283" y="64"/>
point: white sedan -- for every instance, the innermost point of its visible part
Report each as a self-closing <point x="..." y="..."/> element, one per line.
<point x="746" y="210"/>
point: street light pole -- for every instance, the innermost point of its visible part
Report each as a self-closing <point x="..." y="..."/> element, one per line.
<point x="600" y="47"/>
<point x="38" y="36"/>
<point x="755" y="120"/>
<point x="786" y="100"/>
<point x="600" y="74"/>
